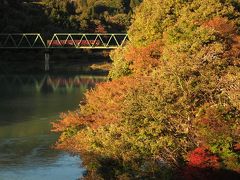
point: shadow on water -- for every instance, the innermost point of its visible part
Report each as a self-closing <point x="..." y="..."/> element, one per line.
<point x="28" y="103"/>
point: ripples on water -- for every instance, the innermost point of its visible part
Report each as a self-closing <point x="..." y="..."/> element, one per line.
<point x="27" y="106"/>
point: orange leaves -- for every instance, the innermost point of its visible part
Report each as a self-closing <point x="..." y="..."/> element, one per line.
<point x="102" y="106"/>
<point x="105" y="103"/>
<point x="222" y="26"/>
<point x="67" y="120"/>
<point x="144" y="59"/>
<point x="235" y="50"/>
<point x="227" y="29"/>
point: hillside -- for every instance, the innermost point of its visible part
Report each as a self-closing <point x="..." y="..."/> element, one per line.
<point x="66" y="15"/>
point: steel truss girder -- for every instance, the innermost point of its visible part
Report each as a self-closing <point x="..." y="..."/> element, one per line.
<point x="63" y="40"/>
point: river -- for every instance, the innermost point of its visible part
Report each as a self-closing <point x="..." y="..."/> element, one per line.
<point x="28" y="103"/>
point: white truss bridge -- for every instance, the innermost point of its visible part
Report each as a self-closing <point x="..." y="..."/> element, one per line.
<point x="63" y="41"/>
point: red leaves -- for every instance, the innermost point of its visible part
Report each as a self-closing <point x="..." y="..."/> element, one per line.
<point x="202" y="158"/>
<point x="201" y="165"/>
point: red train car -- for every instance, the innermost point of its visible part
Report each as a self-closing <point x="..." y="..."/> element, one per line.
<point x="73" y="42"/>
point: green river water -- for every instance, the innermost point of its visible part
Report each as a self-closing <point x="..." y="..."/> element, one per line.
<point x="28" y="103"/>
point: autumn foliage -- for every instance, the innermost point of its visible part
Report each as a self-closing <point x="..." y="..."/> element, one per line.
<point x="202" y="158"/>
<point x="172" y="107"/>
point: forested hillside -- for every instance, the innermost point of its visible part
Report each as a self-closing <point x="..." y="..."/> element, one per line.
<point x="66" y="15"/>
<point x="23" y="16"/>
<point x="92" y="15"/>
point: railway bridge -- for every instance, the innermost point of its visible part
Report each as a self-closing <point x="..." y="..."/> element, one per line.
<point x="62" y="41"/>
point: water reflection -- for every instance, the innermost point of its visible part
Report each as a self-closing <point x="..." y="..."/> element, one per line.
<point x="27" y="106"/>
<point x="48" y="83"/>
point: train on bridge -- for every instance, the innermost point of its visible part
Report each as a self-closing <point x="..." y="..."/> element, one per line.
<point x="63" y="40"/>
<point x="54" y="43"/>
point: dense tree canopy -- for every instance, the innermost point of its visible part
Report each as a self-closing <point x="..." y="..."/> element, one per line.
<point x="173" y="104"/>
<point x="86" y="15"/>
<point x="21" y="16"/>
<point x="66" y="15"/>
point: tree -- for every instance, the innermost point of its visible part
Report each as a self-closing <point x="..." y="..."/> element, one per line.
<point x="174" y="96"/>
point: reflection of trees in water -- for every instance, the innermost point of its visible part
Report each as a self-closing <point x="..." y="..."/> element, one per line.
<point x="48" y="83"/>
<point x="25" y="115"/>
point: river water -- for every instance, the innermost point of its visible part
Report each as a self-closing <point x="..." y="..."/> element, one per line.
<point x="28" y="103"/>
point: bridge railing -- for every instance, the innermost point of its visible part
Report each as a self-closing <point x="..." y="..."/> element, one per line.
<point x="63" y="40"/>
<point x="28" y="40"/>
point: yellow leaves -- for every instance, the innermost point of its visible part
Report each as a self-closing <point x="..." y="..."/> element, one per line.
<point x="230" y="84"/>
<point x="120" y="65"/>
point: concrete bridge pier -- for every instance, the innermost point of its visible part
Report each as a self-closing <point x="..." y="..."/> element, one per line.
<point x="47" y="60"/>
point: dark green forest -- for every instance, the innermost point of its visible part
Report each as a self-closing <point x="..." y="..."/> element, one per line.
<point x="66" y="15"/>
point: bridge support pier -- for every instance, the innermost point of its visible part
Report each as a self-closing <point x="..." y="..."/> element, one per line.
<point x="47" y="59"/>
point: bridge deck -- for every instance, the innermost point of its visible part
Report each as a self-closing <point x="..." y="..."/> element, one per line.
<point x="63" y="40"/>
